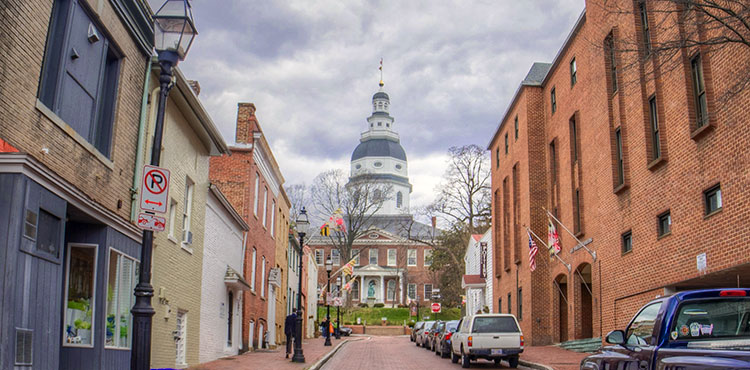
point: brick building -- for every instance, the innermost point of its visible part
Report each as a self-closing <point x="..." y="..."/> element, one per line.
<point x="71" y="87"/>
<point x="644" y="161"/>
<point x="251" y="180"/>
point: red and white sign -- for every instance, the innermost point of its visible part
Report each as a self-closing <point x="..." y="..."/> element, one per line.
<point x="151" y="222"/>
<point x="154" y="189"/>
<point x="435" y="307"/>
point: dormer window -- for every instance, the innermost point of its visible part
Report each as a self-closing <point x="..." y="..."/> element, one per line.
<point x="380" y="124"/>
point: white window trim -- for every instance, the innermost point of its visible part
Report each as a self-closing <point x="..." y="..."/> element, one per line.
<point x="408" y="252"/>
<point x="255" y="199"/>
<point x="395" y="257"/>
<point x="263" y="277"/>
<point x="408" y="286"/>
<point x="172" y="217"/>
<point x="424" y="257"/>
<point x="369" y="256"/>
<point x="424" y="292"/>
<point x="273" y="217"/>
<point x="93" y="299"/>
<point x="252" y="277"/>
<point x="136" y="265"/>
<point x="265" y="206"/>
<point x="322" y="257"/>
<point x="336" y="261"/>
<point x="188" y="212"/>
<point x="355" y="255"/>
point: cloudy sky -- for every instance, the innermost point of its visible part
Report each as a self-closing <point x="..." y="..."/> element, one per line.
<point x="311" y="68"/>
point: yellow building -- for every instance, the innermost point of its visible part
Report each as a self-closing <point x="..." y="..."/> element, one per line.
<point x="282" y="261"/>
<point x="190" y="137"/>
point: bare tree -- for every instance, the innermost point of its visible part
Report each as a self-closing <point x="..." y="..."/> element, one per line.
<point x="668" y="32"/>
<point x="464" y="194"/>
<point x="298" y="196"/>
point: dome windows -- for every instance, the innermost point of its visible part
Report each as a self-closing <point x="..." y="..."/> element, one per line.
<point x="398" y="167"/>
<point x="378" y="164"/>
<point x="358" y="166"/>
<point x="399" y="199"/>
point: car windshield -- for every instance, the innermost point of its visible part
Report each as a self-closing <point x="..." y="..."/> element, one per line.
<point x="495" y="324"/>
<point x="723" y="318"/>
<point x="451" y="326"/>
<point x="418" y="325"/>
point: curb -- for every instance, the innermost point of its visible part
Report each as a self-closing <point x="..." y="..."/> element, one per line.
<point x="328" y="355"/>
<point x="534" y="365"/>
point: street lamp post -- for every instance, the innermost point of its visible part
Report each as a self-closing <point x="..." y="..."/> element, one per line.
<point x="302" y="224"/>
<point x="338" y="310"/>
<point x="329" y="267"/>
<point x="174" y="31"/>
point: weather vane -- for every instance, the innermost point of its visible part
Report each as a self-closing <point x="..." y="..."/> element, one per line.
<point x="381" y="72"/>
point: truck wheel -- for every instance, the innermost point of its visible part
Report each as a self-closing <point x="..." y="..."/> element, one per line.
<point x="437" y="350"/>
<point x="465" y="361"/>
<point x="513" y="362"/>
<point x="454" y="357"/>
<point x="497" y="362"/>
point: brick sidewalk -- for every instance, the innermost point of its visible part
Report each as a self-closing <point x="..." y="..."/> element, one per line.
<point x="553" y="356"/>
<point x="313" y="350"/>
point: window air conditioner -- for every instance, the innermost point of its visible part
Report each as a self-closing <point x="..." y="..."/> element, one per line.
<point x="187" y="237"/>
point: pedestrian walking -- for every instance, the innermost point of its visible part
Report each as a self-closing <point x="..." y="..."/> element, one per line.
<point x="289" y="329"/>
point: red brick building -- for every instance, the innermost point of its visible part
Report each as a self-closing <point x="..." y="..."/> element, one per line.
<point x="251" y="180"/>
<point x="639" y="156"/>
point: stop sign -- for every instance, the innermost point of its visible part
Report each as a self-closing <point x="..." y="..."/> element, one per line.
<point x="435" y="307"/>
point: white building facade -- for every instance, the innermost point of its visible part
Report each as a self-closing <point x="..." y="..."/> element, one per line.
<point x="223" y="283"/>
<point x="477" y="282"/>
<point x="311" y="311"/>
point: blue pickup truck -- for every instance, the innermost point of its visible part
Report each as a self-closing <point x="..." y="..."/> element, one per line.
<point x="691" y="330"/>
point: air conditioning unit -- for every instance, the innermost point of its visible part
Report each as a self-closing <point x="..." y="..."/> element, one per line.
<point x="187" y="237"/>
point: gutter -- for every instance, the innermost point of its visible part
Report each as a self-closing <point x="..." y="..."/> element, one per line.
<point x="142" y="123"/>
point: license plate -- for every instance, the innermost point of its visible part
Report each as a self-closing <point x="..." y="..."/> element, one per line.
<point x="497" y="351"/>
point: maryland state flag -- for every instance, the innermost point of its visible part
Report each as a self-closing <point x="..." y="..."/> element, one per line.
<point x="553" y="239"/>
<point x="348" y="269"/>
<point x="348" y="285"/>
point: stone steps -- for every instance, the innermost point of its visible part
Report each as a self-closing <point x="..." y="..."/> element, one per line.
<point x="582" y="345"/>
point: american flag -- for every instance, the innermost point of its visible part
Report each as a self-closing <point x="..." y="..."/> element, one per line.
<point x="532" y="252"/>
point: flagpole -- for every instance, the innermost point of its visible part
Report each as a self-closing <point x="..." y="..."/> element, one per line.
<point x="546" y="246"/>
<point x="592" y="253"/>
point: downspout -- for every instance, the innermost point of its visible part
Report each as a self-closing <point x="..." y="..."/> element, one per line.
<point x="142" y="124"/>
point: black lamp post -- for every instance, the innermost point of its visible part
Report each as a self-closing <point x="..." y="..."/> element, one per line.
<point x="338" y="310"/>
<point x="174" y="32"/>
<point x="329" y="267"/>
<point x="302" y="224"/>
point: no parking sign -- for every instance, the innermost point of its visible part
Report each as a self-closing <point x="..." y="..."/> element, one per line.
<point x="154" y="189"/>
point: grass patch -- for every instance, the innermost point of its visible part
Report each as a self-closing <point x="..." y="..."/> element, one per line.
<point x="394" y="316"/>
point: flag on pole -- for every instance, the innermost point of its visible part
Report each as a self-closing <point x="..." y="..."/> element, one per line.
<point x="335" y="222"/>
<point x="348" y="268"/>
<point x="348" y="285"/>
<point x="323" y="293"/>
<point x="532" y="252"/>
<point x="306" y="250"/>
<point x="553" y="239"/>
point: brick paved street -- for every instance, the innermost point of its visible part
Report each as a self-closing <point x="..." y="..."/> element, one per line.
<point x="393" y="353"/>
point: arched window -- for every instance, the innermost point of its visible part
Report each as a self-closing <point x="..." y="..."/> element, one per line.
<point x="391" y="290"/>
<point x="399" y="199"/>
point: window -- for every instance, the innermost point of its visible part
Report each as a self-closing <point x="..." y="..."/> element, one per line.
<point x="644" y="26"/>
<point x="627" y="242"/>
<point x="391" y="257"/>
<point x="335" y="257"/>
<point x="500" y="305"/>
<point x="573" y="140"/>
<point x="187" y="235"/>
<point x="411" y="257"/>
<point x="391" y="291"/>
<point x="497" y="157"/>
<point x="355" y="256"/>
<point x="180" y="335"/>
<point x="609" y="47"/>
<point x="230" y="314"/>
<point x="399" y="199"/>
<point x="699" y="91"/>
<point x="641" y="330"/>
<point x="378" y="164"/>
<point x="319" y="257"/>
<point x="712" y="320"/>
<point x="573" y="71"/>
<point x="263" y="276"/>
<point x="713" y="199"/>
<point x="273" y="216"/>
<point x="80" y="74"/>
<point x="121" y="281"/>
<point x="252" y="273"/>
<point x="553" y="100"/>
<point x="172" y="216"/>
<point x="411" y="291"/>
<point x="506" y="143"/>
<point x="79" y="327"/>
<point x="553" y="161"/>
<point x="519" y="301"/>
<point x="577" y="211"/>
<point x="265" y="205"/>
<point x="373" y="256"/>
<point x="255" y="197"/>
<point x="428" y="257"/>
<point x="665" y="223"/>
<point x="427" y="292"/>
<point x="509" y="306"/>
<point x="655" y="147"/>
<point x="515" y="121"/>
<point x="355" y="290"/>
<point x="620" y="158"/>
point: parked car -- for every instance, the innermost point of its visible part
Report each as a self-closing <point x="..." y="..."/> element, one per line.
<point x="421" y="333"/>
<point x="345" y="331"/>
<point x="699" y="329"/>
<point x="493" y="337"/>
<point x="433" y="333"/>
<point x="417" y="326"/>
<point x="443" y="344"/>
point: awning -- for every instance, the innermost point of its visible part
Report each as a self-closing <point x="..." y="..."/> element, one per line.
<point x="473" y="281"/>
<point x="234" y="280"/>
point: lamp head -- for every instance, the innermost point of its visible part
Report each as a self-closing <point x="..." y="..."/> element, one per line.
<point x="303" y="223"/>
<point x="174" y="29"/>
<point x="329" y="264"/>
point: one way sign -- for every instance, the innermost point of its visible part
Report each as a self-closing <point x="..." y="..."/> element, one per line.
<point x="154" y="189"/>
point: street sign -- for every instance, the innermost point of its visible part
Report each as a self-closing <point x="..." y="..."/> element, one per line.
<point x="337" y="302"/>
<point x="154" y="189"/>
<point x="151" y="222"/>
<point x="435" y="307"/>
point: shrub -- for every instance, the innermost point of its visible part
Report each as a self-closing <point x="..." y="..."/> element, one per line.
<point x="378" y="305"/>
<point x="363" y="305"/>
<point x="403" y="306"/>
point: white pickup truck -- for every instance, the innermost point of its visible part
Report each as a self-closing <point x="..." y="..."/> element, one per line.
<point x="493" y="337"/>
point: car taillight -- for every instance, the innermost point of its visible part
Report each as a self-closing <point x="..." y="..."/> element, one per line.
<point x="732" y="293"/>
<point x="470" y="342"/>
<point x="522" y="341"/>
<point x="448" y="336"/>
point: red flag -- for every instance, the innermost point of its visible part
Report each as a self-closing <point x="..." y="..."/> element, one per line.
<point x="553" y="239"/>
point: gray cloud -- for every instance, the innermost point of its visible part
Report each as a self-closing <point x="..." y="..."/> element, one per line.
<point x="310" y="67"/>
